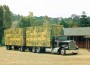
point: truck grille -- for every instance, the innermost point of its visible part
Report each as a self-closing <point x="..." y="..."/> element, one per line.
<point x="72" y="46"/>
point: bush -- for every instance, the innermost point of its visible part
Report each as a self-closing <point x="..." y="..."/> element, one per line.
<point x="2" y="41"/>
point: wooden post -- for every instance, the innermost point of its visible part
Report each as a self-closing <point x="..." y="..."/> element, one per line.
<point x="86" y="44"/>
<point x="89" y="42"/>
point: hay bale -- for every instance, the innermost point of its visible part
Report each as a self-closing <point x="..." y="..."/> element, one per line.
<point x="14" y="36"/>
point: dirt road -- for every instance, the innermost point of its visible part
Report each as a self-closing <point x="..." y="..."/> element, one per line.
<point x="12" y="57"/>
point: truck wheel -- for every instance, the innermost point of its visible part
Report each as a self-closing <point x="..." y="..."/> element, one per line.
<point x="34" y="49"/>
<point x="22" y="48"/>
<point x="38" y="50"/>
<point x="62" y="51"/>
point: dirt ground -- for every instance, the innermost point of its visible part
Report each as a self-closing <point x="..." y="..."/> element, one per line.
<point x="12" y="57"/>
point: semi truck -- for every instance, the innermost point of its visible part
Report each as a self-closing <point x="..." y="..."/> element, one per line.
<point x="39" y="39"/>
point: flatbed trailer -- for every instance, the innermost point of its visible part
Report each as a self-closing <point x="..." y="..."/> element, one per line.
<point x="36" y="39"/>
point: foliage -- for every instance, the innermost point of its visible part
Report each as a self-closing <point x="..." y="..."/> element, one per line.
<point x="1" y="23"/>
<point x="46" y="20"/>
<point x="2" y="41"/>
<point x="7" y="17"/>
<point x="84" y="22"/>
<point x="31" y="18"/>
<point x="54" y="21"/>
<point x="15" y="17"/>
<point x="38" y="21"/>
<point x="24" y="22"/>
<point x="64" y="23"/>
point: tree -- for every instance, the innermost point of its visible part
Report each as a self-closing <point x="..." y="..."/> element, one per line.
<point x="75" y="18"/>
<point x="46" y="20"/>
<point x="24" y="22"/>
<point x="31" y="18"/>
<point x="64" y="23"/>
<point x="1" y="24"/>
<point x="38" y="21"/>
<point x="84" y="21"/>
<point x="15" y="17"/>
<point x="7" y="17"/>
<point x="72" y="24"/>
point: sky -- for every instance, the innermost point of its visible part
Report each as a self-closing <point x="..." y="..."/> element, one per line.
<point x="51" y="8"/>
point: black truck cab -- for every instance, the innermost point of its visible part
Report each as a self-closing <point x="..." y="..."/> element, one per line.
<point x="63" y="46"/>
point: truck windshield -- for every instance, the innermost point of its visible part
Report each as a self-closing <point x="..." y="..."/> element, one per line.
<point x="61" y="38"/>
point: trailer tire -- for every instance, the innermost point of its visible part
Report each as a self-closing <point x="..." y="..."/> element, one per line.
<point x="34" y="49"/>
<point x="63" y="51"/>
<point x="38" y="50"/>
<point x="30" y="49"/>
<point x="7" y="47"/>
<point x="15" y="47"/>
<point x="22" y="49"/>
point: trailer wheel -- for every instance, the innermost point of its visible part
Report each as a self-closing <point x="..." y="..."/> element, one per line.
<point x="22" y="48"/>
<point x="63" y="51"/>
<point x="38" y="50"/>
<point x="7" y="48"/>
<point x="15" y="47"/>
<point x="34" y="49"/>
<point x="30" y="49"/>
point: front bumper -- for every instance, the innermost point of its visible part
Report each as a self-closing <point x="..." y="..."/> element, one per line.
<point x="72" y="51"/>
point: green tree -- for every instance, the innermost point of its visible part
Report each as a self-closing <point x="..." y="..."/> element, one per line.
<point x="64" y="23"/>
<point x="24" y="22"/>
<point x="7" y="17"/>
<point x="46" y="20"/>
<point x="15" y="17"/>
<point x="75" y="18"/>
<point x="31" y="19"/>
<point x="1" y="24"/>
<point x="38" y="20"/>
<point x="84" y="22"/>
<point x="72" y="24"/>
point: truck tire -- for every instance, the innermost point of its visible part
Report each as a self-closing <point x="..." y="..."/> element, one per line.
<point x="63" y="51"/>
<point x="34" y="49"/>
<point x="38" y="50"/>
<point x="22" y="48"/>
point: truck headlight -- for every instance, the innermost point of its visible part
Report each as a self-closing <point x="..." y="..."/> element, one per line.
<point x="76" y="47"/>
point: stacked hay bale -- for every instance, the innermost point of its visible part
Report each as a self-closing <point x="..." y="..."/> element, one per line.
<point x="57" y="30"/>
<point x="44" y="36"/>
<point x="14" y="36"/>
<point x="38" y="36"/>
<point x="41" y="35"/>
